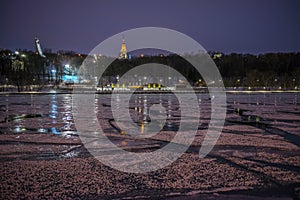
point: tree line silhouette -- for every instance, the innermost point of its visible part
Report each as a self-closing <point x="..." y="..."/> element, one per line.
<point x="24" y="69"/>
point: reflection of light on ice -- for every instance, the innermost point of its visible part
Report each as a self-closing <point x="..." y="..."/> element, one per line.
<point x="42" y="130"/>
<point x="19" y="129"/>
<point x="67" y="117"/>
<point x="142" y="128"/>
<point x="123" y="143"/>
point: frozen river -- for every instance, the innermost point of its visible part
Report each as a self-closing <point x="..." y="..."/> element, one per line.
<point x="52" y="113"/>
<point x="257" y="153"/>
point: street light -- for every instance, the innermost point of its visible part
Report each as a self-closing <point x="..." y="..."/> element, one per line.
<point x="6" y="81"/>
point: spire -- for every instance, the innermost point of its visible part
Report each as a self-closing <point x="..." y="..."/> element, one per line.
<point x="123" y="51"/>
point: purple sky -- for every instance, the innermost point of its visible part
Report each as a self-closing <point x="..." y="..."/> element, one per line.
<point x="246" y="26"/>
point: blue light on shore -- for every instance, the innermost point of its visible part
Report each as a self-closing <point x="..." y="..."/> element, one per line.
<point x="70" y="78"/>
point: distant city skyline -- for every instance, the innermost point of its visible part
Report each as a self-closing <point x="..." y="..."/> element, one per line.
<point x="249" y="26"/>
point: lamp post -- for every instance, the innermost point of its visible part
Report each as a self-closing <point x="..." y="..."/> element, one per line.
<point x="294" y="87"/>
<point x="238" y="83"/>
<point x="275" y="82"/>
<point x="6" y="81"/>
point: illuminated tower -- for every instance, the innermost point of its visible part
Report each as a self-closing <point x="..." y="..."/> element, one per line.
<point x="123" y="51"/>
<point x="38" y="47"/>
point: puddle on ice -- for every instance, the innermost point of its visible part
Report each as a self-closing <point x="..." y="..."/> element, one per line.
<point x="37" y="113"/>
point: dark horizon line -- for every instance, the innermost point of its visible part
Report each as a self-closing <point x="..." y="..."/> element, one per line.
<point x="208" y="51"/>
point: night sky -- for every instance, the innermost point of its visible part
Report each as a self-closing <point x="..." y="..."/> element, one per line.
<point x="249" y="26"/>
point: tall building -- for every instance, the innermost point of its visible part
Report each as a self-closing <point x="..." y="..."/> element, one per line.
<point x="123" y="51"/>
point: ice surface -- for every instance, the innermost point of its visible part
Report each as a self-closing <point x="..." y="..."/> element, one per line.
<point x="258" y="149"/>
